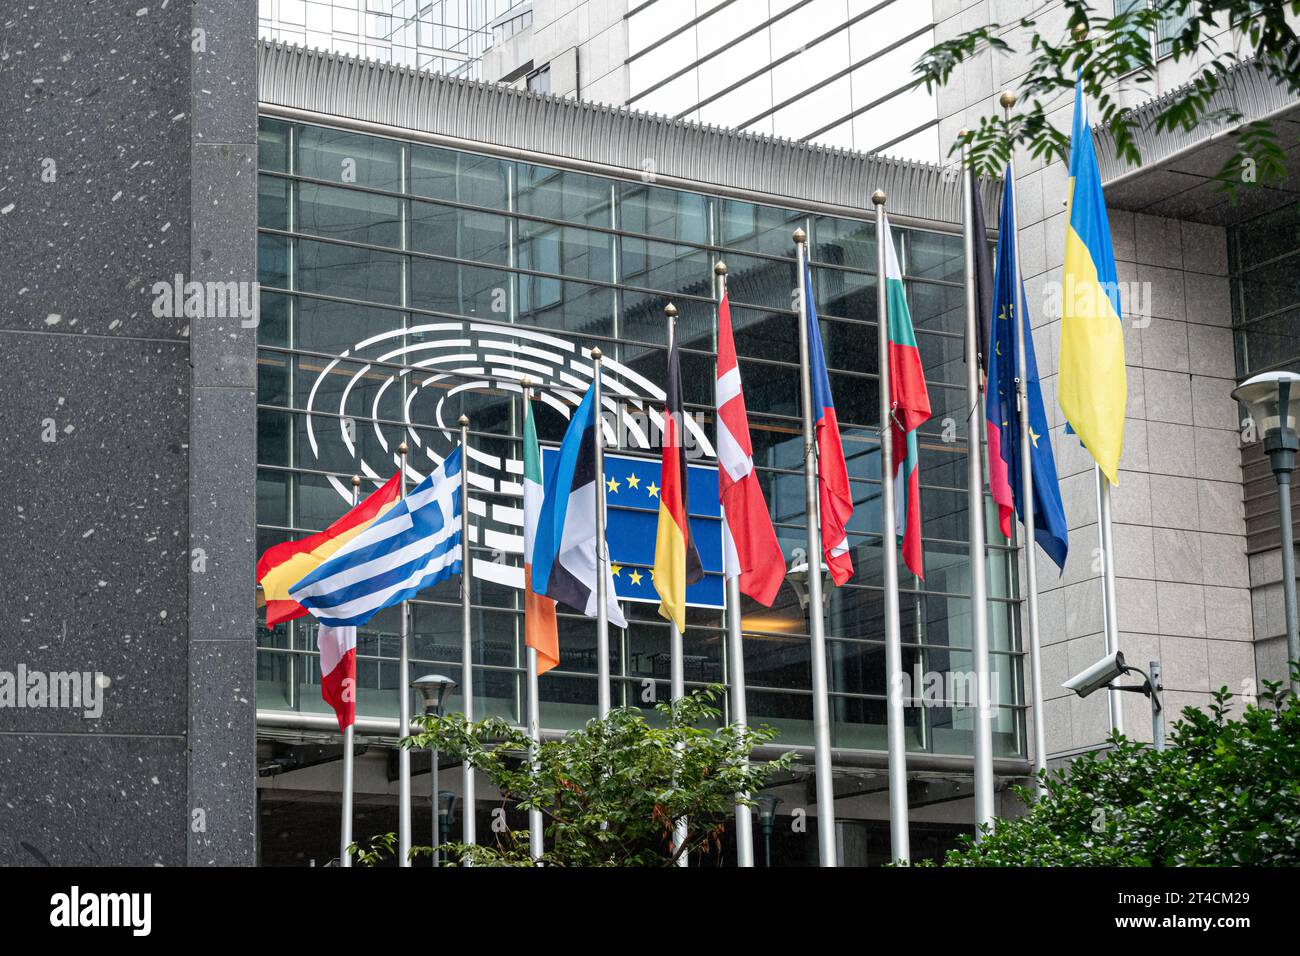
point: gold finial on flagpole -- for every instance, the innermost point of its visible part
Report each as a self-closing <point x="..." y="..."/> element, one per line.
<point x="800" y="235"/>
<point x="356" y="481"/>
<point x="720" y="269"/>
<point x="595" y="354"/>
<point x="879" y="197"/>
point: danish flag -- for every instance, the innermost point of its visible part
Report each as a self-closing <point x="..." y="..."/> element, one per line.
<point x="750" y="548"/>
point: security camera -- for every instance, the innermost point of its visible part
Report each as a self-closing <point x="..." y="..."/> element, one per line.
<point x="1097" y="676"/>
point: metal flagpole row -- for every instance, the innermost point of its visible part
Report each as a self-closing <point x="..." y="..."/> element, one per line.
<point x="677" y="673"/>
<point x="404" y="711"/>
<point x="349" y="759"/>
<point x="469" y="804"/>
<point x="736" y="665"/>
<point x="816" y="624"/>
<point x="983" y="728"/>
<point x="602" y="551"/>
<point x="1028" y="519"/>
<point x="536" y="836"/>
<point x="898" y="810"/>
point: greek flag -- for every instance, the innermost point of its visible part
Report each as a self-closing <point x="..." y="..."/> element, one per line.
<point x="415" y="545"/>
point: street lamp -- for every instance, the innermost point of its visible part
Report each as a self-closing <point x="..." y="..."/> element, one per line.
<point x="433" y="690"/>
<point x="1274" y="402"/>
<point x="766" y="823"/>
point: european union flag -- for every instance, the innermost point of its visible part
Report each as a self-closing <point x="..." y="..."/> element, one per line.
<point x="1000" y="402"/>
<point x="632" y="521"/>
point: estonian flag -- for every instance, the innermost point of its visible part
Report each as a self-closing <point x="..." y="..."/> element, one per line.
<point x="564" y="552"/>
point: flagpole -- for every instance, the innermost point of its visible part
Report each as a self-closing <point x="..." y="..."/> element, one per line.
<point x="1108" y="589"/>
<point x="602" y="551"/>
<point x="816" y="623"/>
<point x="736" y="659"/>
<point x="898" y="810"/>
<point x="468" y="805"/>
<point x="975" y="508"/>
<point x="536" y="836"/>
<point x="1028" y="519"/>
<point x="404" y="712"/>
<point x="677" y="674"/>
<point x="349" y="762"/>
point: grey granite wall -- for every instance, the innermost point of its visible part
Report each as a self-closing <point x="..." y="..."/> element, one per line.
<point x="128" y="433"/>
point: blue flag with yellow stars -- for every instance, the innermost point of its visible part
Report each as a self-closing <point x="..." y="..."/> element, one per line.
<point x="632" y="521"/>
<point x="1000" y="401"/>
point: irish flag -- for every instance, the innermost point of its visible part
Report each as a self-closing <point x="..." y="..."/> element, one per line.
<point x="284" y="565"/>
<point x="909" y="409"/>
<point x="540" y="631"/>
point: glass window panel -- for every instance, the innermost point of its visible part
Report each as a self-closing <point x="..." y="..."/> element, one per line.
<point x="460" y="233"/>
<point x="273" y="319"/>
<point x="349" y="272"/>
<point x="272" y="145"/>
<point x="341" y="157"/>
<point x="272" y="202"/>
<point x="753" y="228"/>
<point x="323" y="325"/>
<point x="668" y="213"/>
<point x="567" y="251"/>
<point x="272" y="261"/>
<point x="460" y="177"/>
<point x="459" y="289"/>
<point x="349" y="214"/>
<point x="566" y="196"/>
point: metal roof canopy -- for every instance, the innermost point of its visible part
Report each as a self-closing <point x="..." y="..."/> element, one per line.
<point x="1177" y="180"/>
<point x="336" y="89"/>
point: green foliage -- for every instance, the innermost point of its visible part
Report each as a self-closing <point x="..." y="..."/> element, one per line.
<point x="611" y="793"/>
<point x="1226" y="792"/>
<point x="1101" y="49"/>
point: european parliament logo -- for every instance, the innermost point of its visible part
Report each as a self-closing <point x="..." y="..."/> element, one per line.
<point x="632" y="498"/>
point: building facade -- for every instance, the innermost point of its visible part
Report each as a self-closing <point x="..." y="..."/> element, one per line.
<point x="418" y="242"/>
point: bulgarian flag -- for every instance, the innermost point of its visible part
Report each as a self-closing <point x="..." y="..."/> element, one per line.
<point x="540" y="632"/>
<point x="284" y="565"/>
<point x="909" y="404"/>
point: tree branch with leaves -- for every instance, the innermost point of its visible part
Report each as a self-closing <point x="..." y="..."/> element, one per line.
<point x="1099" y="50"/>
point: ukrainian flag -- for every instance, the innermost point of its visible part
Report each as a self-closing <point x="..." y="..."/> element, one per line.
<point x="1092" y="388"/>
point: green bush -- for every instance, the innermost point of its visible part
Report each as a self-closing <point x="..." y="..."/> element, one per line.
<point x="610" y="793"/>
<point x="1226" y="792"/>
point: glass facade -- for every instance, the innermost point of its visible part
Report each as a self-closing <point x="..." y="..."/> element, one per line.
<point x="405" y="284"/>
<point x="1264" y="256"/>
<point x="448" y="36"/>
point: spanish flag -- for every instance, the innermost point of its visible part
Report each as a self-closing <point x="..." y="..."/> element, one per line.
<point x="1092" y="388"/>
<point x="284" y="565"/>
<point x="677" y="563"/>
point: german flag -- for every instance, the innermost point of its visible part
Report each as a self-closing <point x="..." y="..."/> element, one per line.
<point x="677" y="563"/>
<point x="284" y="565"/>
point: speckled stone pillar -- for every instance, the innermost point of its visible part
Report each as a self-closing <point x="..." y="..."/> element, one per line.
<point x="128" y="429"/>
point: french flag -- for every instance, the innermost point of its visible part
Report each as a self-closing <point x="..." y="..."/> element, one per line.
<point x="338" y="669"/>
<point x="750" y="549"/>
<point x="833" y="494"/>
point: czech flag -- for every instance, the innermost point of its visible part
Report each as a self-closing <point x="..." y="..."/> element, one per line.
<point x="284" y="565"/>
<point x="1092" y="387"/>
<point x="835" y="500"/>
<point x="909" y="404"/>
<point x="677" y="563"/>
